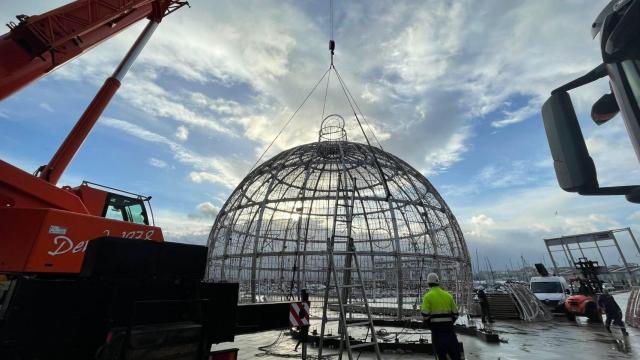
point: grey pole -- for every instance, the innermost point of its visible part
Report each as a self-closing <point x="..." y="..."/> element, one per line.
<point x="572" y="261"/>
<point x="553" y="261"/>
<point x="601" y="256"/>
<point x="135" y="50"/>
<point x="624" y="260"/>
<point x="256" y="254"/>
<point x="634" y="240"/>
<point x="566" y="254"/>
<point x="398" y="258"/>
<point x="580" y="248"/>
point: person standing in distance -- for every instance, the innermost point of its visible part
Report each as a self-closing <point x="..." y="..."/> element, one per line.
<point x="484" y="306"/>
<point x="439" y="311"/>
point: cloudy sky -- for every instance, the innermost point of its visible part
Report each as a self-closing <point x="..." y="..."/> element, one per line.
<point x="453" y="87"/>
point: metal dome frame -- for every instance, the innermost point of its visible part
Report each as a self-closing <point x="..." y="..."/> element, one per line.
<point x="271" y="234"/>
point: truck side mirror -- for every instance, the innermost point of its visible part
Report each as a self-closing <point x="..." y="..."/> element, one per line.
<point x="574" y="167"/>
<point x="567" y="291"/>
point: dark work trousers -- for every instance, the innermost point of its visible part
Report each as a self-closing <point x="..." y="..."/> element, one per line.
<point x="445" y="342"/>
<point x="617" y="320"/>
<point x="486" y="311"/>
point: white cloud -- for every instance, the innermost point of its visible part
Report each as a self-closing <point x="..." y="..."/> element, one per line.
<point x="202" y="176"/>
<point x="182" y="133"/>
<point x="141" y="90"/>
<point x="611" y="150"/>
<point x="481" y="225"/>
<point x="514" y="173"/>
<point x="192" y="227"/>
<point x="412" y="53"/>
<point x="157" y="163"/>
<point x="440" y="159"/>
<point x="503" y="176"/>
<point x="228" y="170"/>
<point x="265" y="47"/>
<point x="519" y="115"/>
<point x="180" y="227"/>
<point x="218" y="105"/>
<point x="370" y="94"/>
<point x="46" y="106"/>
<point x="482" y="220"/>
<point x="205" y="210"/>
<point x="423" y="72"/>
<point x="517" y="221"/>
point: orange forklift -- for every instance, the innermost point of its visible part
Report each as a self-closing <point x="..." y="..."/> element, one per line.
<point x="583" y="300"/>
<point x="84" y="272"/>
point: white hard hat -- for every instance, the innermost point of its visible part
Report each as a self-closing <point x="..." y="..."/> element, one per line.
<point x="432" y="278"/>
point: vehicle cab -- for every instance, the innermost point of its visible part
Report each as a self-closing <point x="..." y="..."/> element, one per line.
<point x="115" y="204"/>
<point x="550" y="290"/>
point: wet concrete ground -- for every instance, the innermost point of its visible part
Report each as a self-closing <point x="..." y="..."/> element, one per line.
<point x="556" y="339"/>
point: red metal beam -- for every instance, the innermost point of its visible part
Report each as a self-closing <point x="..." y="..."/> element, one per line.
<point x="41" y="43"/>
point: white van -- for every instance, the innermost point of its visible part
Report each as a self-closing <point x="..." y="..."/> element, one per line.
<point x="551" y="290"/>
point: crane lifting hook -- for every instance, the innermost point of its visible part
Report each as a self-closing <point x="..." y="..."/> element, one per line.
<point x="332" y="47"/>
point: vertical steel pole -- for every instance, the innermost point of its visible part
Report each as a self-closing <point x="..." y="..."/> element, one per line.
<point x="256" y="238"/>
<point x="580" y="248"/>
<point x="553" y="261"/>
<point x="624" y="260"/>
<point x="398" y="258"/>
<point x="227" y="240"/>
<point x="568" y="251"/>
<point x="601" y="256"/>
<point x="633" y="238"/>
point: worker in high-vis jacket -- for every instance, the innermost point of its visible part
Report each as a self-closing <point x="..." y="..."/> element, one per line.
<point x="440" y="312"/>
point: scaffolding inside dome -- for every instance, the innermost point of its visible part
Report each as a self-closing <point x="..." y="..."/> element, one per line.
<point x="272" y="233"/>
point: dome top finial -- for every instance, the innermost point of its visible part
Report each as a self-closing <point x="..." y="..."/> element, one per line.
<point x="332" y="129"/>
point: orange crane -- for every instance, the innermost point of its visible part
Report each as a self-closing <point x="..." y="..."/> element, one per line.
<point x="61" y="221"/>
<point x="84" y="273"/>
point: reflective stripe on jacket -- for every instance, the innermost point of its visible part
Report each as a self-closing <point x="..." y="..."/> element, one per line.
<point x="438" y="306"/>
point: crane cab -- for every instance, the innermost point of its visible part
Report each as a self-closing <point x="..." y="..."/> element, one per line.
<point x="47" y="230"/>
<point x="114" y="204"/>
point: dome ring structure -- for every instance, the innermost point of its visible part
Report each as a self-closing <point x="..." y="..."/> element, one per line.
<point x="271" y="235"/>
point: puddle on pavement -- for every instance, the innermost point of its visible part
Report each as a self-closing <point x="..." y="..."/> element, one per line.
<point x="558" y="339"/>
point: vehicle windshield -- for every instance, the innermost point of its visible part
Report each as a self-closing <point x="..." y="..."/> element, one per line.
<point x="546" y="287"/>
<point x="123" y="208"/>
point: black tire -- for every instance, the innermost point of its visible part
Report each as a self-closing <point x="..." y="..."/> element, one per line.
<point x="570" y="316"/>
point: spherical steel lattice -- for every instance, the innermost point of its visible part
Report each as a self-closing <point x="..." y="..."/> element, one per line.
<point x="271" y="235"/>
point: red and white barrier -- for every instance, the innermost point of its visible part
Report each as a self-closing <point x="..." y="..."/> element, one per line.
<point x="299" y="314"/>
<point x="632" y="317"/>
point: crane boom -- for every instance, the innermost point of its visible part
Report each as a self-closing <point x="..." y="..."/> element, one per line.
<point x="41" y="43"/>
<point x="52" y="171"/>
